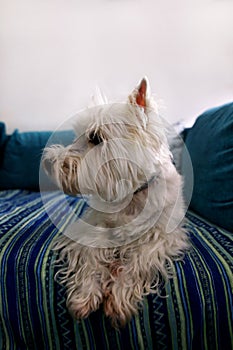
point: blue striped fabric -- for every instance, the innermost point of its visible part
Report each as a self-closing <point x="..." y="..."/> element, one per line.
<point x="194" y="312"/>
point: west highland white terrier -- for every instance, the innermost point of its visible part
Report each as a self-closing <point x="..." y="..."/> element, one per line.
<point x="125" y="244"/>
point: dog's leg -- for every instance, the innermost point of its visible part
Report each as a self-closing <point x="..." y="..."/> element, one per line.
<point x="80" y="273"/>
<point x="122" y="296"/>
<point x="84" y="296"/>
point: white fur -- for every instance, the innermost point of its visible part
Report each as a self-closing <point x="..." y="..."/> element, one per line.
<point x="125" y="244"/>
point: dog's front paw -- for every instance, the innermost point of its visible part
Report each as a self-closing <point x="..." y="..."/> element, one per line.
<point x="120" y="306"/>
<point x="115" y="312"/>
<point x="81" y="306"/>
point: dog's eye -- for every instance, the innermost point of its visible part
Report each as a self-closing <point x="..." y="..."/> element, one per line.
<point x="95" y="138"/>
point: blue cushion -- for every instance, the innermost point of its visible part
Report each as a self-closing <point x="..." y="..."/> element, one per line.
<point x="21" y="154"/>
<point x="210" y="144"/>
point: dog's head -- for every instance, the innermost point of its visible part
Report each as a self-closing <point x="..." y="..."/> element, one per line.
<point x="119" y="148"/>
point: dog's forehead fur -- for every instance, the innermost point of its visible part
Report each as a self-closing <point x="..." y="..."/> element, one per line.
<point x="119" y="120"/>
<point x="98" y="116"/>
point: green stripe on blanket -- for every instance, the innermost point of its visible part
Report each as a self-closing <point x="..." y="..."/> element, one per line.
<point x="194" y="311"/>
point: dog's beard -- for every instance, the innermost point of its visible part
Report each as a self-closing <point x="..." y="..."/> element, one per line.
<point x="62" y="164"/>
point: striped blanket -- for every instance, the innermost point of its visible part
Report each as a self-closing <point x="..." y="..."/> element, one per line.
<point x="195" y="311"/>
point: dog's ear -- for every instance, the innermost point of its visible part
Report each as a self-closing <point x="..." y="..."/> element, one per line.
<point x="99" y="98"/>
<point x="140" y="94"/>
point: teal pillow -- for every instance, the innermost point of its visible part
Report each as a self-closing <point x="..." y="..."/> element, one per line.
<point x="210" y="145"/>
<point x="21" y="154"/>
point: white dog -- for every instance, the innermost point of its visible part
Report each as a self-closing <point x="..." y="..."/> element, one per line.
<point x="124" y="245"/>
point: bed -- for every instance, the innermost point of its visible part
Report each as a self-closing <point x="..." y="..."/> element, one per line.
<point x="194" y="310"/>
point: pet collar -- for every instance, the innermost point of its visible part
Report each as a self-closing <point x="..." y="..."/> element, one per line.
<point x="145" y="185"/>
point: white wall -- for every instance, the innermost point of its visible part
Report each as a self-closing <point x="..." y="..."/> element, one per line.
<point x="54" y="52"/>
